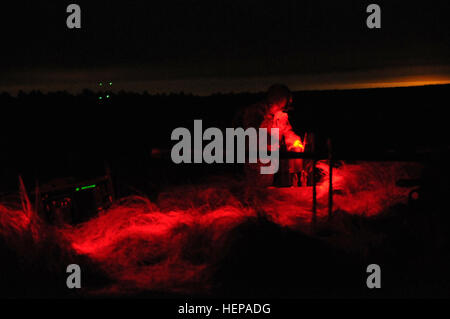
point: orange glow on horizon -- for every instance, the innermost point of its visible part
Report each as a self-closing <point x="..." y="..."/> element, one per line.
<point x="76" y="81"/>
<point x="401" y="81"/>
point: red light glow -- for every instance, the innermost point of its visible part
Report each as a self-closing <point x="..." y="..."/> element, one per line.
<point x="171" y="244"/>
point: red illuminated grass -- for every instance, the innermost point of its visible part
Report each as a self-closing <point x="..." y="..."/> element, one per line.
<point x="170" y="245"/>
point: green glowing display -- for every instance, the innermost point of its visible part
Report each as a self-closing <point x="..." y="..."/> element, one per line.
<point x="85" y="187"/>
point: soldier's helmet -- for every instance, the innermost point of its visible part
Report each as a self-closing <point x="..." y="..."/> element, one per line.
<point x="280" y="95"/>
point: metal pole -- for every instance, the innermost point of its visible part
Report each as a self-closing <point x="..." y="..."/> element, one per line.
<point x="330" y="181"/>
<point x="109" y="181"/>
<point x="314" y="192"/>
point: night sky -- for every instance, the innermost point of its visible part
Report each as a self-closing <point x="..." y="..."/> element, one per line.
<point x="220" y="46"/>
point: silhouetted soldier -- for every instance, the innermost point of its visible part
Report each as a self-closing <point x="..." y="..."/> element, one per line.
<point x="272" y="113"/>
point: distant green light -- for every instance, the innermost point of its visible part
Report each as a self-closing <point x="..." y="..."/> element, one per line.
<point x="85" y="187"/>
<point x="110" y="83"/>
<point x="100" y="98"/>
<point x="107" y="96"/>
<point x="100" y="84"/>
